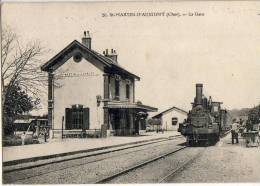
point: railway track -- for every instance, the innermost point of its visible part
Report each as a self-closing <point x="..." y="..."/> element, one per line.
<point x="8" y="169"/>
<point x="141" y="165"/>
<point x="88" y="162"/>
<point x="111" y="177"/>
<point x="178" y="169"/>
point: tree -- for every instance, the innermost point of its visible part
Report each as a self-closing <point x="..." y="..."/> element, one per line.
<point x="16" y="102"/>
<point x="21" y="77"/>
<point x="254" y="115"/>
<point x="152" y="121"/>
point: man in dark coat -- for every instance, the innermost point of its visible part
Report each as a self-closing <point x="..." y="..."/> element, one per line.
<point x="234" y="131"/>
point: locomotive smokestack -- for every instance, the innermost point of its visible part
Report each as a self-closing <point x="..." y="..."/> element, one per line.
<point x="198" y="99"/>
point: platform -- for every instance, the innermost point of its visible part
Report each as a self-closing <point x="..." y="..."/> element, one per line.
<point x="68" y="145"/>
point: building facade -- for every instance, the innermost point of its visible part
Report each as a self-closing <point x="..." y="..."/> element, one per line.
<point x="171" y="118"/>
<point x="88" y="91"/>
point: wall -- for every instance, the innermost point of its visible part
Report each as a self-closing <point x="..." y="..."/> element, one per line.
<point x="78" y="83"/>
<point x="167" y="120"/>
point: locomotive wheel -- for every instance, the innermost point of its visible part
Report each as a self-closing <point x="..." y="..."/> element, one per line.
<point x="189" y="141"/>
<point x="218" y="137"/>
<point x="207" y="140"/>
<point x="215" y="138"/>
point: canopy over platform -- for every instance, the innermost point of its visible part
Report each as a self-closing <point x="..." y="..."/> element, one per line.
<point x="127" y="105"/>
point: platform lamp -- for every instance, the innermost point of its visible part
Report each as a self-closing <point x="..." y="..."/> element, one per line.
<point x="99" y="99"/>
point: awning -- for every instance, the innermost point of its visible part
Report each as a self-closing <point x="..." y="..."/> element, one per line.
<point x="127" y="105"/>
<point x="25" y="121"/>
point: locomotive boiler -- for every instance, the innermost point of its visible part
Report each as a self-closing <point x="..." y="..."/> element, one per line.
<point x="205" y="121"/>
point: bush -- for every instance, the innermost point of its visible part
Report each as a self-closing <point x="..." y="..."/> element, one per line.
<point x="95" y="134"/>
<point x="16" y="140"/>
<point x="8" y="129"/>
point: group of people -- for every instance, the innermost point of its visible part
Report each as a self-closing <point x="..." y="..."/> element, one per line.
<point x="236" y="125"/>
<point x="43" y="132"/>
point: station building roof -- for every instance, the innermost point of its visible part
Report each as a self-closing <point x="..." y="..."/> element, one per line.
<point x="66" y="53"/>
<point x="169" y="110"/>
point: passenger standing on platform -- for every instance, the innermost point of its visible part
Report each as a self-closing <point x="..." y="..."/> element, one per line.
<point x="23" y="138"/>
<point x="234" y="131"/>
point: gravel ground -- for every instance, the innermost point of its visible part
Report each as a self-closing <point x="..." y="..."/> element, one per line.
<point x="91" y="169"/>
<point x="223" y="163"/>
<point x="155" y="171"/>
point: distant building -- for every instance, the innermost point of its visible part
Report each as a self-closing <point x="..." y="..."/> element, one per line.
<point x="170" y="118"/>
<point x="23" y="122"/>
<point x="88" y="91"/>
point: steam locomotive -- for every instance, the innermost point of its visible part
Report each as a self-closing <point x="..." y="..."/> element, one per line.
<point x="206" y="120"/>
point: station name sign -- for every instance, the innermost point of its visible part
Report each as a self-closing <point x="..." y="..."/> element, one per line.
<point x="75" y="74"/>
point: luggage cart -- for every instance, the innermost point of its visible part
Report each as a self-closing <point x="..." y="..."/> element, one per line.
<point x="251" y="138"/>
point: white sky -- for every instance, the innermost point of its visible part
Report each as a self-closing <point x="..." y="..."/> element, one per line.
<point x="220" y="50"/>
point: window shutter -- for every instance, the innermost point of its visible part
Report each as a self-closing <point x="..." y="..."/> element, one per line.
<point x="85" y="119"/>
<point x="68" y="118"/>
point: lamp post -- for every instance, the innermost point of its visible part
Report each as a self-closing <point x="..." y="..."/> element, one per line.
<point x="62" y="126"/>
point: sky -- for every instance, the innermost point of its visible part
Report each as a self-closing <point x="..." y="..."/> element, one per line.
<point x="171" y="54"/>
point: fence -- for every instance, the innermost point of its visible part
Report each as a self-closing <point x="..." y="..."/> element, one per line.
<point x="91" y="133"/>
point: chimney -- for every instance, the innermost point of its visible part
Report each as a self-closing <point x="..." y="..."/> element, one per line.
<point x="198" y="99"/>
<point x="86" y="40"/>
<point x="112" y="55"/>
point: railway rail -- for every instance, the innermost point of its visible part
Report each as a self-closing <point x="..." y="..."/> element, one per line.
<point x="147" y="146"/>
<point x="178" y="169"/>
<point x="141" y="165"/>
<point x="13" y="168"/>
<point x="104" y="180"/>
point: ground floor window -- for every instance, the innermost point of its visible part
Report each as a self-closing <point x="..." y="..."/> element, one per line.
<point x="77" y="117"/>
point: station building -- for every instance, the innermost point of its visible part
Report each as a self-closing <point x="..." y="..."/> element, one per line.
<point x="89" y="91"/>
<point x="171" y="118"/>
